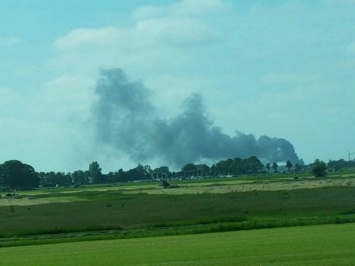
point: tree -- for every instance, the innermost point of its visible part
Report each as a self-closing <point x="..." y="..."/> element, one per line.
<point x="111" y="177"/>
<point x="162" y="171"/>
<point x="95" y="173"/>
<point x="237" y="166"/>
<point x="202" y="169"/>
<point x="319" y="168"/>
<point x="80" y="177"/>
<point x="340" y="164"/>
<point x="254" y="165"/>
<point x="16" y="174"/>
<point x="297" y="168"/>
<point x="140" y="173"/>
<point x="120" y="176"/>
<point x="289" y="165"/>
<point x="189" y="168"/>
<point x="137" y="173"/>
<point x="2" y="178"/>
<point x="149" y="171"/>
<point x="1" y="172"/>
<point x="49" y="179"/>
<point x="275" y="166"/>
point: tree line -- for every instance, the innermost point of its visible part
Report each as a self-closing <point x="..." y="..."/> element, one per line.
<point x="17" y="175"/>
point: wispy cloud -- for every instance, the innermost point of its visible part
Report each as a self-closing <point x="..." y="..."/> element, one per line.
<point x="181" y="9"/>
<point x="152" y="41"/>
<point x="145" y="34"/>
<point x="82" y="38"/>
<point x="9" y="42"/>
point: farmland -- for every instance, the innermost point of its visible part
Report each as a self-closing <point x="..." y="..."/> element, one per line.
<point x="309" y="245"/>
<point x="197" y="222"/>
<point x="192" y="207"/>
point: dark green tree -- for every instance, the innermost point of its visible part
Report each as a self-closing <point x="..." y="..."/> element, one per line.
<point x="289" y="165"/>
<point x="49" y="179"/>
<point x="338" y="165"/>
<point x="202" y="170"/>
<point x="275" y="166"/>
<point x="111" y="177"/>
<point x="237" y="166"/>
<point x="161" y="172"/>
<point x="254" y="165"/>
<point x="213" y="170"/>
<point x="68" y="179"/>
<point x="2" y="178"/>
<point x="16" y="174"/>
<point x="297" y="168"/>
<point x="80" y="177"/>
<point x="319" y="168"/>
<point x="95" y="173"/>
<point x="141" y="173"/>
<point x="189" y="169"/>
<point x="120" y="176"/>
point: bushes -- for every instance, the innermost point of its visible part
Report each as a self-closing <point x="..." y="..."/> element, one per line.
<point x="319" y="168"/>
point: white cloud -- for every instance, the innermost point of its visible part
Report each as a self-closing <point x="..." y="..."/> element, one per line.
<point x="9" y="42"/>
<point x="81" y="38"/>
<point x="67" y="97"/>
<point x="146" y="34"/>
<point x="183" y="8"/>
<point x="172" y="31"/>
<point x="198" y="7"/>
<point x="148" y="12"/>
<point x="149" y="31"/>
<point x="153" y="44"/>
<point x="48" y="127"/>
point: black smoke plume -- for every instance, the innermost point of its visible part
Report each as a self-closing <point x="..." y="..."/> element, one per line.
<point x="126" y="121"/>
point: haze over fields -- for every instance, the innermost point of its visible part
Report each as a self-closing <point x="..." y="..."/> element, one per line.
<point x="207" y="79"/>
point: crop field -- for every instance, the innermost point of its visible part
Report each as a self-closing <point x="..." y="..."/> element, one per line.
<point x="253" y="220"/>
<point x="214" y="186"/>
<point x="193" y="207"/>
<point x="307" y="245"/>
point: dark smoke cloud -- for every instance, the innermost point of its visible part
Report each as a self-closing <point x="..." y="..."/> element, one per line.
<point x="127" y="121"/>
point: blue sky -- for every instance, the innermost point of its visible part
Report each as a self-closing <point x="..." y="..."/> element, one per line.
<point x="279" y="68"/>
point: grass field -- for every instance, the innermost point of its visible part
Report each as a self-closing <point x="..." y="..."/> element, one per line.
<point x="201" y="206"/>
<point x="308" y="245"/>
<point x="212" y="186"/>
<point x="93" y="210"/>
<point x="310" y="222"/>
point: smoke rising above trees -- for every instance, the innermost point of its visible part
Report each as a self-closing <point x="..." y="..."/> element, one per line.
<point x="127" y="121"/>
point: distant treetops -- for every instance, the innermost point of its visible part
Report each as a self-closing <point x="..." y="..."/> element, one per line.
<point x="17" y="175"/>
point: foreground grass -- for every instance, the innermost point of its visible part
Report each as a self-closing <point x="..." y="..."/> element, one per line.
<point x="309" y="245"/>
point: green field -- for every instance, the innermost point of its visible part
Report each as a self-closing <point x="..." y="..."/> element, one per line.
<point x="147" y="209"/>
<point x="252" y="220"/>
<point x="308" y="245"/>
